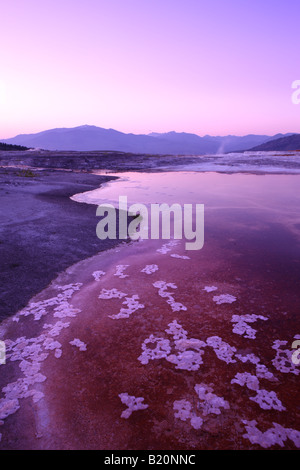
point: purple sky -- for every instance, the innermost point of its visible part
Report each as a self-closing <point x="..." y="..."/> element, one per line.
<point x="208" y="67"/>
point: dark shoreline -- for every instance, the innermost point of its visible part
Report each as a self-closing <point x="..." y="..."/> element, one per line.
<point x="42" y="231"/>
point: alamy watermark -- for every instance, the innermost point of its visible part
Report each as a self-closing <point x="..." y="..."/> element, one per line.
<point x="296" y="354"/>
<point x="2" y="353"/>
<point x="161" y="222"/>
<point x="296" y="93"/>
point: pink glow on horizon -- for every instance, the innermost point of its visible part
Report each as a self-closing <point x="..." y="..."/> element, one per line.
<point x="191" y="66"/>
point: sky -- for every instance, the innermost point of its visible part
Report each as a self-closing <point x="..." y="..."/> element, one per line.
<point x="213" y="67"/>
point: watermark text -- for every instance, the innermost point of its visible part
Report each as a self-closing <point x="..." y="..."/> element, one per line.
<point x="160" y="222"/>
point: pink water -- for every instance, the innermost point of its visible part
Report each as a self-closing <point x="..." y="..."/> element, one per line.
<point x="249" y="265"/>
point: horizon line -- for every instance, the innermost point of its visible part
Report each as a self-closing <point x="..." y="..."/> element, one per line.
<point x="145" y="134"/>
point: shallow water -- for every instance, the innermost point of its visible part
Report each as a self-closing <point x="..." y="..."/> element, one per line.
<point x="204" y="337"/>
<point x="265" y="198"/>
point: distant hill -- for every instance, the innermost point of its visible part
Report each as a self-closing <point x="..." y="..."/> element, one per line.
<point x="216" y="144"/>
<point x="89" y="138"/>
<point x="290" y="142"/>
<point x="4" y="146"/>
